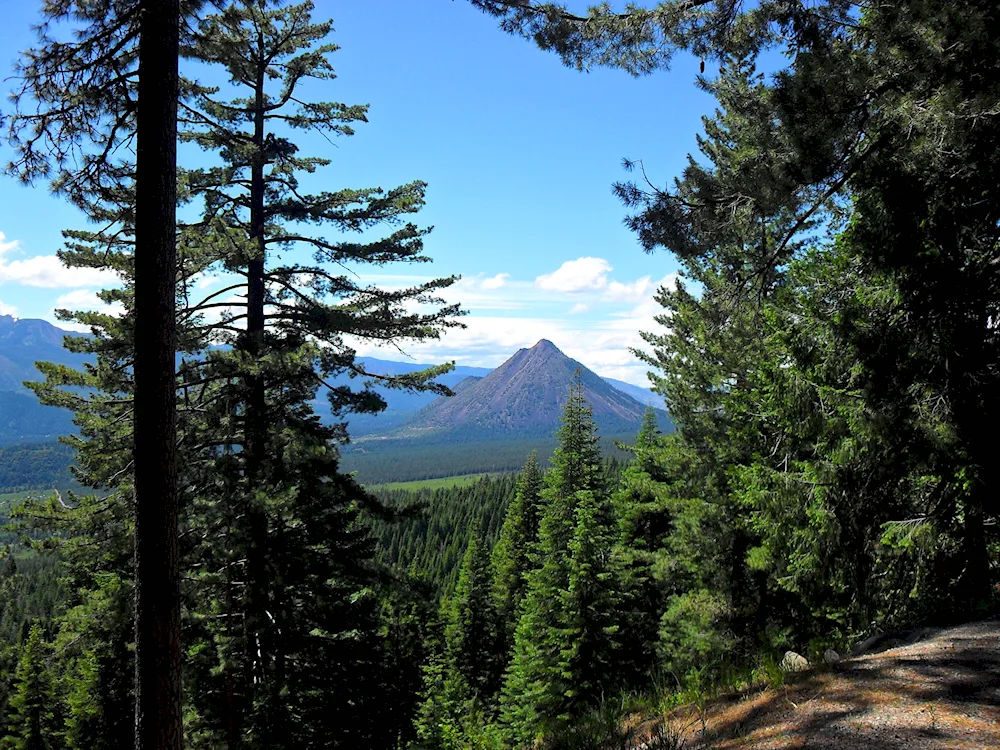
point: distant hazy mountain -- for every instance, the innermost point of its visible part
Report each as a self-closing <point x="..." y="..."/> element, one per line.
<point x="22" y="343"/>
<point x="642" y="395"/>
<point x="522" y="398"/>
<point x="401" y="405"/>
<point x="23" y="419"/>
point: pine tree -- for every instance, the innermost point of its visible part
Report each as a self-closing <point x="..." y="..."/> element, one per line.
<point x="462" y="680"/>
<point x="78" y="104"/>
<point x="158" y="720"/>
<point x="515" y="549"/>
<point x="537" y="693"/>
<point x="275" y="514"/>
<point x="283" y="636"/>
<point x="31" y="719"/>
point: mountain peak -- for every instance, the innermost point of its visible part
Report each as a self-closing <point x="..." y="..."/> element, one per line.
<point x="543" y="345"/>
<point x="525" y="396"/>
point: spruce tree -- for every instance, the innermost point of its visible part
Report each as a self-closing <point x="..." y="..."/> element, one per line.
<point x="537" y="692"/>
<point x="462" y="680"/>
<point x="31" y="718"/>
<point x="514" y="552"/>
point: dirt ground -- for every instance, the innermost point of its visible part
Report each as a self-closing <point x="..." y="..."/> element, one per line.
<point x="941" y="692"/>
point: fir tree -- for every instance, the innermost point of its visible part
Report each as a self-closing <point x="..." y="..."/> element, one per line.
<point x="514" y="551"/>
<point x="471" y="637"/>
<point x="537" y="693"/>
<point x="645" y="512"/>
<point x="31" y="718"/>
<point x="462" y="680"/>
<point x="591" y="656"/>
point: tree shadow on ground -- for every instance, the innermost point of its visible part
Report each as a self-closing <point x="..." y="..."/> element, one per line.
<point x="942" y="693"/>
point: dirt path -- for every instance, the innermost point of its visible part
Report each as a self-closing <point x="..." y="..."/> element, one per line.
<point x="942" y="692"/>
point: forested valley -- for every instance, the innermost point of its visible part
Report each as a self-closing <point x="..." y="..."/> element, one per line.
<point x="829" y="358"/>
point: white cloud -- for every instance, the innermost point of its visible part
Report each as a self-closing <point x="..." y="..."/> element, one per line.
<point x="204" y="282"/>
<point x="580" y="275"/>
<point x="6" y="309"/>
<point x="47" y="271"/>
<point x="495" y="282"/>
<point x="69" y="326"/>
<point x="7" y="246"/>
<point x="84" y="299"/>
<point x="602" y="341"/>
<point x="619" y="292"/>
<point x="476" y="293"/>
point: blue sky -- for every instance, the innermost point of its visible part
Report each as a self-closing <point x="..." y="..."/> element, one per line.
<point x="519" y="152"/>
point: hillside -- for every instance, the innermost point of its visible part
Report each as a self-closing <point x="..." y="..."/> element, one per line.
<point x="22" y="343"/>
<point x="522" y="398"/>
<point x="494" y="420"/>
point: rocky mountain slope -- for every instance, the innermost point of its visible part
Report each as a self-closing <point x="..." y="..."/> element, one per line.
<point x="523" y="397"/>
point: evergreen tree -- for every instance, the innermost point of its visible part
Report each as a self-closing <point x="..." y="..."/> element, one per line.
<point x="591" y="657"/>
<point x="304" y="552"/>
<point x="78" y="103"/>
<point x="515" y="548"/>
<point x="462" y="681"/>
<point x="158" y="720"/>
<point x="31" y="717"/>
<point x="538" y="693"/>
<point x="283" y="632"/>
<point x="646" y="517"/>
<point x="471" y="637"/>
<point x="863" y="125"/>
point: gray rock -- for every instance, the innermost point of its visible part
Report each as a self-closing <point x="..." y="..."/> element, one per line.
<point x="793" y="662"/>
<point x="831" y="657"/>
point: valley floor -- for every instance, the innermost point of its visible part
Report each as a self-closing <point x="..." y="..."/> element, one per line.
<point x="941" y="692"/>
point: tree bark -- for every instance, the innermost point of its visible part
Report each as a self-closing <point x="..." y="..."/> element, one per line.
<point x="158" y="724"/>
<point x="259" y="606"/>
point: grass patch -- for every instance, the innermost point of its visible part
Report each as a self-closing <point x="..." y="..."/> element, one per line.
<point x="461" y="480"/>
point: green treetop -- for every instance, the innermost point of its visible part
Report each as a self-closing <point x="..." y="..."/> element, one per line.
<point x="514" y="552"/>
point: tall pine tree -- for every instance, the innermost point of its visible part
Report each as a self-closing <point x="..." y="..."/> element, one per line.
<point x="514" y="551"/>
<point x="540" y="690"/>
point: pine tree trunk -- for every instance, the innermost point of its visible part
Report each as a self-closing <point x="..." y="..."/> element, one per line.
<point x="259" y="604"/>
<point x="157" y="579"/>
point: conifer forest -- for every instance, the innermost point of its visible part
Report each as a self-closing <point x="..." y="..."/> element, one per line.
<point x="211" y="574"/>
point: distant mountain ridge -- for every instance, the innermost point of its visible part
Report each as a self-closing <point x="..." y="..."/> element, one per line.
<point x="22" y="343"/>
<point x="26" y="341"/>
<point x="522" y="398"/>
